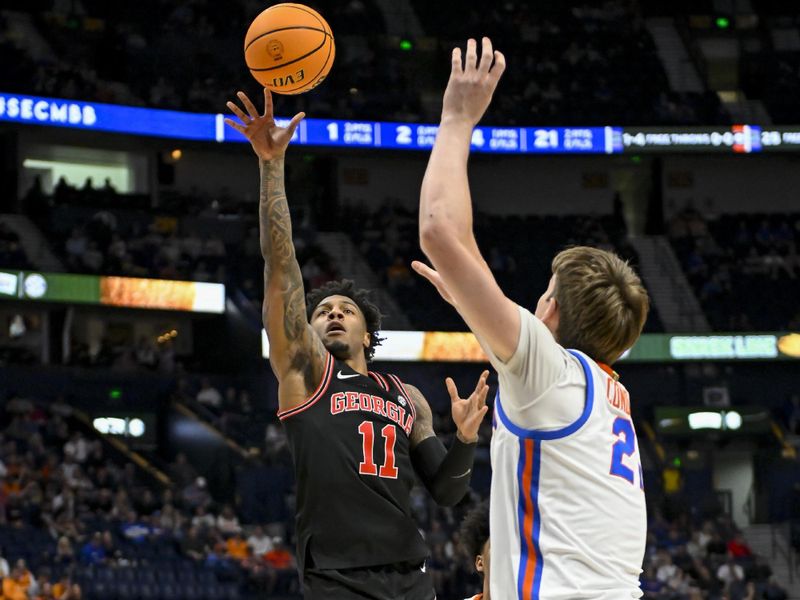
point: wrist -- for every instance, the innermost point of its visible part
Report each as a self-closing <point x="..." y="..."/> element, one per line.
<point x="466" y="439"/>
<point x="457" y="122"/>
<point x="275" y="157"/>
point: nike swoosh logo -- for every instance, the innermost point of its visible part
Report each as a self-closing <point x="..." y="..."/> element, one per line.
<point x="340" y="376"/>
<point x="464" y="474"/>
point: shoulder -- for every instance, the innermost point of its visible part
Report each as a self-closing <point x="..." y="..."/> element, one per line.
<point x="417" y="398"/>
<point x="423" y="419"/>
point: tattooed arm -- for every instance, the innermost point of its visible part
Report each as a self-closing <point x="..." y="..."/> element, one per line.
<point x="297" y="355"/>
<point x="446" y="473"/>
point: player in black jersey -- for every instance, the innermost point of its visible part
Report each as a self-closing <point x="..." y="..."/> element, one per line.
<point x="358" y="438"/>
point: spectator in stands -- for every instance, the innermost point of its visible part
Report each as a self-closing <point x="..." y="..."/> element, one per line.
<point x="227" y="521"/>
<point x="15" y="586"/>
<point x="41" y="587"/>
<point x="730" y="572"/>
<point x="196" y="495"/>
<point x="65" y="555"/>
<point x="236" y="547"/>
<point x="259" y="542"/>
<point x="282" y="561"/>
<point x="203" y="519"/>
<point x="738" y="548"/>
<point x="208" y="395"/>
<point x="66" y="589"/>
<point x="193" y="543"/>
<point x="181" y="472"/>
<point x="93" y="552"/>
<point x="77" y="448"/>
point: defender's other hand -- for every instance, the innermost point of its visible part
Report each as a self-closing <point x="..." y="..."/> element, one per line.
<point x="472" y="82"/>
<point x="267" y="139"/>
<point x="434" y="277"/>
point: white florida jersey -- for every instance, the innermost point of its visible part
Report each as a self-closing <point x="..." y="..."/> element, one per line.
<point x="567" y="516"/>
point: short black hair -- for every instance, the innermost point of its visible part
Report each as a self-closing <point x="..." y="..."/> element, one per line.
<point x="474" y="532"/>
<point x="347" y="287"/>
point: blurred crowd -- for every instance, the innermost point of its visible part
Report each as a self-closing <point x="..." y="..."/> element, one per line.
<point x="570" y="63"/>
<point x="739" y="261"/>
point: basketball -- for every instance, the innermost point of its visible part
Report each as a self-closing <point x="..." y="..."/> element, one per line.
<point x="289" y="48"/>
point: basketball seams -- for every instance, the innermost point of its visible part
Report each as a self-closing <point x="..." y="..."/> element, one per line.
<point x="325" y="64"/>
<point x="270" y="32"/>
<point x="318" y="17"/>
<point x="294" y="60"/>
<point x="327" y="31"/>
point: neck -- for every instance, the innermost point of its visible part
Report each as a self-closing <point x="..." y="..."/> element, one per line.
<point x="358" y="364"/>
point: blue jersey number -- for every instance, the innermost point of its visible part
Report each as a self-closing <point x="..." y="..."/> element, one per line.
<point x="624" y="446"/>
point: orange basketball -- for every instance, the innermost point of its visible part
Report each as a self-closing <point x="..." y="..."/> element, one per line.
<point x="289" y="48"/>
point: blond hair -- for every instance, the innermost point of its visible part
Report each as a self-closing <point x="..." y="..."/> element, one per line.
<point x="601" y="301"/>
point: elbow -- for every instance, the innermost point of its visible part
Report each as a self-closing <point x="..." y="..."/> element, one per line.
<point x="437" y="237"/>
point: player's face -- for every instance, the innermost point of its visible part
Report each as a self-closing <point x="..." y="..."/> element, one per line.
<point x="482" y="566"/>
<point x="547" y="307"/>
<point x="341" y="326"/>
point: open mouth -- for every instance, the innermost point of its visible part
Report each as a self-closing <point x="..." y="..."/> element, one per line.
<point x="334" y="328"/>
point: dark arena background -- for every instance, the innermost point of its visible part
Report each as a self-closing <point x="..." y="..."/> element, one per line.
<point x="140" y="452"/>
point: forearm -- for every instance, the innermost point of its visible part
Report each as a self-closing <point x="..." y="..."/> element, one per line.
<point x="445" y="473"/>
<point x="445" y="202"/>
<point x="275" y="224"/>
<point x="283" y="281"/>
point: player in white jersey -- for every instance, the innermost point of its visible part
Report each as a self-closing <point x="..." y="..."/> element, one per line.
<point x="568" y="517"/>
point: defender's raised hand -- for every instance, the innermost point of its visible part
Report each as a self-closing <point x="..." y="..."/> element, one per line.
<point x="468" y="413"/>
<point x="267" y="139"/>
<point x="472" y="82"/>
<point x="431" y="275"/>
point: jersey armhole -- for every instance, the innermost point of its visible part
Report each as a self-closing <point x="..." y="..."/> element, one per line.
<point x="323" y="385"/>
<point x="554" y="434"/>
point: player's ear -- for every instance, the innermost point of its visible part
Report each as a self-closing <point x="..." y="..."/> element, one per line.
<point x="367" y="341"/>
<point x="551" y="313"/>
<point x="479" y="563"/>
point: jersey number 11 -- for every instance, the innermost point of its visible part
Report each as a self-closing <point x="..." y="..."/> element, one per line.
<point x="368" y="466"/>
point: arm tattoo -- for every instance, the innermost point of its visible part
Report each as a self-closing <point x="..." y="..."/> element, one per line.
<point x="281" y="269"/>
<point x="423" y="425"/>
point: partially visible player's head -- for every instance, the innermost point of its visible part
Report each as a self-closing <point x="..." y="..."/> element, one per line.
<point x="345" y="319"/>
<point x="594" y="303"/>
<point x="474" y="536"/>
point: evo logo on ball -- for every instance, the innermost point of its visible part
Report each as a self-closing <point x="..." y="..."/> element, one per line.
<point x="289" y="79"/>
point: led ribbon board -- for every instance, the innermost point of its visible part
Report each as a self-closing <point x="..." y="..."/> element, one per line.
<point x="464" y="347"/>
<point x="129" y="292"/>
<point x="96" y="116"/>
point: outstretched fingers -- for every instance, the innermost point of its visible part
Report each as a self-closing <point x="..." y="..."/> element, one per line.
<point x="472" y="56"/>
<point x="452" y="390"/>
<point x="235" y="125"/>
<point x="238" y="112"/>
<point x="499" y="65"/>
<point x="456" y="62"/>
<point x="249" y="106"/>
<point x="267" y="103"/>
<point x="295" y="122"/>
<point x="487" y="55"/>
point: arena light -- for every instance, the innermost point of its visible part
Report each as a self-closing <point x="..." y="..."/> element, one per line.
<point x="705" y="420"/>
<point x="406" y="45"/>
<point x="119" y="426"/>
<point x="687" y="420"/>
<point x="128" y="292"/>
<point x="723" y="22"/>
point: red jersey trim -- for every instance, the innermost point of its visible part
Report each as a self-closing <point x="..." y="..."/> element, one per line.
<point x="323" y="385"/>
<point x="409" y="397"/>
<point x="379" y="378"/>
